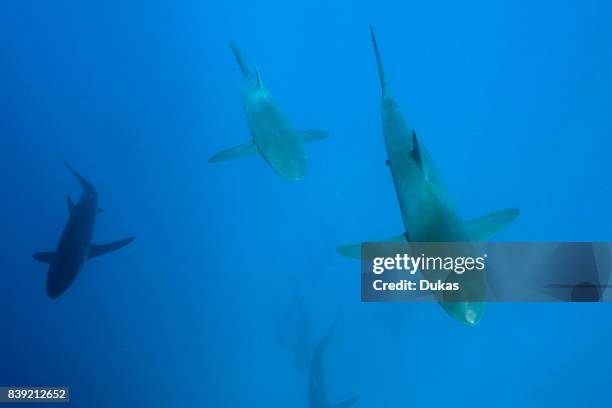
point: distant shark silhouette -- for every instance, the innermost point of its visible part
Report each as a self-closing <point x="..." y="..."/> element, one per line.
<point x="427" y="211"/>
<point x="577" y="272"/>
<point x="75" y="245"/>
<point x="273" y="136"/>
<point x="294" y="333"/>
<point x="317" y="388"/>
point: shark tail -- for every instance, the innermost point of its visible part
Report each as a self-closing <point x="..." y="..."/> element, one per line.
<point x="240" y="60"/>
<point x="84" y="183"/>
<point x="381" y="70"/>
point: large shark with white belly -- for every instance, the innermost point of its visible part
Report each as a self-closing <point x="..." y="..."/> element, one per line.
<point x="273" y="135"/>
<point x="427" y="211"/>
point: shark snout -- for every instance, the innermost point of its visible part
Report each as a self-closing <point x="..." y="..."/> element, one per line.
<point x="469" y="313"/>
<point x="295" y="173"/>
<point x="291" y="166"/>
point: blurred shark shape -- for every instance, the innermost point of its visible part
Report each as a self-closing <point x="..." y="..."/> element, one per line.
<point x="427" y="212"/>
<point x="317" y="387"/>
<point x="577" y="272"/>
<point x="294" y="333"/>
<point x="75" y="246"/>
<point x="273" y="135"/>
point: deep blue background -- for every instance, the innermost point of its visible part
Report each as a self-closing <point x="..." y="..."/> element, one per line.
<point x="511" y="98"/>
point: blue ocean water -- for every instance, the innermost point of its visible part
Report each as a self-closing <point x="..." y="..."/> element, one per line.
<point x="511" y="99"/>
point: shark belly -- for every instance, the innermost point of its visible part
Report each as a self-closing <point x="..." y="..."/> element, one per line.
<point x="275" y="137"/>
<point x="70" y="255"/>
<point x="428" y="220"/>
<point x="427" y="213"/>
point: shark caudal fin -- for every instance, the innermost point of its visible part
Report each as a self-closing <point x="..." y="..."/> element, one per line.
<point x="317" y="363"/>
<point x="482" y="228"/>
<point x="236" y="152"/>
<point x="84" y="183"/>
<point x="240" y="60"/>
<point x="381" y="70"/>
<point x="99" y="250"/>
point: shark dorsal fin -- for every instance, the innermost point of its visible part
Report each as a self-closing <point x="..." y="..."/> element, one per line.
<point x="70" y="204"/>
<point x="259" y="82"/>
<point x="416" y="152"/>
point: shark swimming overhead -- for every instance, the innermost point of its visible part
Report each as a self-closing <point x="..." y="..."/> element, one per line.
<point x="577" y="272"/>
<point x="75" y="246"/>
<point x="317" y="387"/>
<point x="427" y="212"/>
<point x="272" y="134"/>
<point x="294" y="333"/>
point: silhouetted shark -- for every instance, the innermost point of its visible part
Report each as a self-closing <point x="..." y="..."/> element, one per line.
<point x="273" y="135"/>
<point x="75" y="245"/>
<point x="427" y="211"/>
<point x="294" y="333"/>
<point x="317" y="388"/>
<point x="577" y="272"/>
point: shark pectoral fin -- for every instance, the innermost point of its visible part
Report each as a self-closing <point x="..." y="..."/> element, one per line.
<point x="98" y="250"/>
<point x="312" y="135"/>
<point x="482" y="228"/>
<point x="350" y="250"/>
<point x="70" y="204"/>
<point x="354" y="250"/>
<point x="45" y="257"/>
<point x="346" y="404"/>
<point x="246" y="149"/>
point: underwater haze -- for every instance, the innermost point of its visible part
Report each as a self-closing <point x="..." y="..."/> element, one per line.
<point x="511" y="98"/>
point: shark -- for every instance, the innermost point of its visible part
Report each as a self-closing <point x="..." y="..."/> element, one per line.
<point x="273" y="136"/>
<point x="428" y="213"/>
<point x="577" y="272"/>
<point x="294" y="334"/>
<point x="317" y="387"/>
<point x="75" y="246"/>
